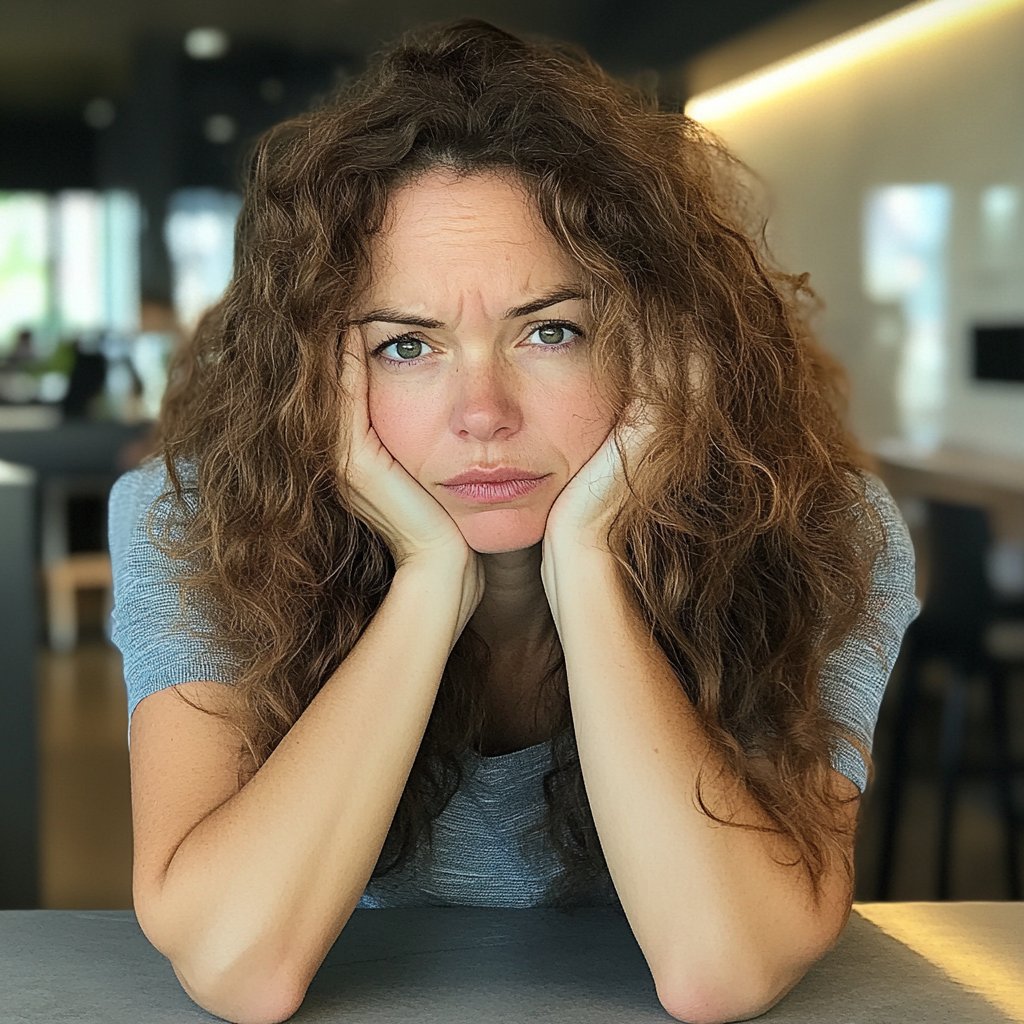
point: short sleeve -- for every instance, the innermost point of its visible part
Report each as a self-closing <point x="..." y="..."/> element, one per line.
<point x="158" y="639"/>
<point x="855" y="674"/>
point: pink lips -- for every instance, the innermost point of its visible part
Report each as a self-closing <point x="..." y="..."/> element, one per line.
<point x="493" y="485"/>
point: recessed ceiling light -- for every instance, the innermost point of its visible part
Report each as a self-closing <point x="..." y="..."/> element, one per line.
<point x="272" y="89"/>
<point x="206" y="43"/>
<point x="99" y="113"/>
<point x="220" y="128"/>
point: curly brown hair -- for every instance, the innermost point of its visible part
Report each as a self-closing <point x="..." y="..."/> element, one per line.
<point x="747" y="539"/>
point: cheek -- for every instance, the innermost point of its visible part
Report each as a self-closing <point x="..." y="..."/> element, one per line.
<point x="581" y="422"/>
<point x="404" y="419"/>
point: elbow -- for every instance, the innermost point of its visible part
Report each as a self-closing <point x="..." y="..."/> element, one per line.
<point x="734" y="989"/>
<point x="740" y="982"/>
<point x="238" y="988"/>
<point x="717" y="1001"/>
<point x="711" y="1005"/>
<point x="243" y="1001"/>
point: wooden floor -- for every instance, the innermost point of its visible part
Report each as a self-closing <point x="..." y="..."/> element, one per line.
<point x="86" y="829"/>
<point x="86" y="816"/>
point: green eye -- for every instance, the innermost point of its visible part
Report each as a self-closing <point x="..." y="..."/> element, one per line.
<point x="552" y="334"/>
<point x="555" y="334"/>
<point x="406" y="348"/>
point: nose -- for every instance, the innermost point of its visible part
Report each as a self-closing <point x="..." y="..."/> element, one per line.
<point x="485" y="406"/>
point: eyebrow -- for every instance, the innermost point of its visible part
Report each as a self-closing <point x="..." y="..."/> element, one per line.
<point x="395" y="316"/>
<point x="551" y="299"/>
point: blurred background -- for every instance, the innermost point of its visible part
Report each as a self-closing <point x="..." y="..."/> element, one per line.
<point x="884" y="141"/>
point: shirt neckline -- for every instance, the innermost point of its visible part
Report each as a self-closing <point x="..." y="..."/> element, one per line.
<point x="524" y="754"/>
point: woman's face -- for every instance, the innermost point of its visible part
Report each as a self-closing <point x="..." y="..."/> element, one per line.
<point x="475" y="332"/>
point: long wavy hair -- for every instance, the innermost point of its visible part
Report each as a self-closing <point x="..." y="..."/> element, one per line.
<point x="746" y="540"/>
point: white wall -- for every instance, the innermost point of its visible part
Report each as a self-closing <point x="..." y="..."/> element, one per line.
<point x="948" y="109"/>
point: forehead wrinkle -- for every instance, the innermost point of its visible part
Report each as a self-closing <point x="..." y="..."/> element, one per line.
<point x="461" y="212"/>
<point x="445" y="290"/>
<point x="439" y="257"/>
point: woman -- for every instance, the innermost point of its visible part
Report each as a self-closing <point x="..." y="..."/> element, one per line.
<point x="508" y="490"/>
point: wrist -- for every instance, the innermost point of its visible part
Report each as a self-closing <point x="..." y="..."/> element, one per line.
<point x="575" y="562"/>
<point x="576" y="544"/>
<point x="451" y="559"/>
<point x="452" y="573"/>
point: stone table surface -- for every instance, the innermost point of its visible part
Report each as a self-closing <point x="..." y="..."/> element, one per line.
<point x="949" y="963"/>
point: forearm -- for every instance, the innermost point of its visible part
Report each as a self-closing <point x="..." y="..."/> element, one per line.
<point x="711" y="906"/>
<point x="262" y="886"/>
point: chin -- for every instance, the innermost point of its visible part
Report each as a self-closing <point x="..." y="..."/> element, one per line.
<point x="503" y="529"/>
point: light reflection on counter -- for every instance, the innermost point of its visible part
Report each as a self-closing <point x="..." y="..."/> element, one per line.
<point x="972" y="952"/>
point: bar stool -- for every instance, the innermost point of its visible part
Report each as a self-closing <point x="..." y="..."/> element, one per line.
<point x="963" y="625"/>
<point x="66" y="571"/>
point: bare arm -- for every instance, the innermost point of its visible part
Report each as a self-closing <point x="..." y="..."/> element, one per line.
<point x="246" y="891"/>
<point x="726" y="925"/>
<point x="726" y="928"/>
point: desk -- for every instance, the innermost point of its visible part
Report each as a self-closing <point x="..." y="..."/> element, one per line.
<point x="995" y="482"/>
<point x="482" y="966"/>
<point x="72" y="448"/>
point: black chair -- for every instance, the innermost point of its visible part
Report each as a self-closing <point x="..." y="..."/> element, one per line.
<point x="960" y="623"/>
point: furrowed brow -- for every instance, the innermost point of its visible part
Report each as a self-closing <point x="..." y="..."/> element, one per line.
<point x="551" y="299"/>
<point x="395" y="316"/>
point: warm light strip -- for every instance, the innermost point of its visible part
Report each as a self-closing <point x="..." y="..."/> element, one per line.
<point x="964" y="954"/>
<point x="887" y="33"/>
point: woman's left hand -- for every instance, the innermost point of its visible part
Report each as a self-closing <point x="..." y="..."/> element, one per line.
<point x="585" y="509"/>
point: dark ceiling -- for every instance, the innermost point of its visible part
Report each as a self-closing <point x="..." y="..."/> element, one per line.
<point x="57" y="54"/>
<point x="168" y="121"/>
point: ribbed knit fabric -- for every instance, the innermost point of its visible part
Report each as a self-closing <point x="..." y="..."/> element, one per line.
<point x="489" y="847"/>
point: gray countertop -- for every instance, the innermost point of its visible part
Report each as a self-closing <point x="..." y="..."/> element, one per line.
<point x="920" y="963"/>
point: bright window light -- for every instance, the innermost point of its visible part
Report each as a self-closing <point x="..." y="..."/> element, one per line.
<point x="80" y="261"/>
<point x="200" y="235"/>
<point x="97" y="262"/>
<point x="69" y="266"/>
<point x="122" y="224"/>
<point x="150" y="358"/>
<point x="1000" y="215"/>
<point x="906" y="228"/>
<point x="908" y="24"/>
<point x="24" y="270"/>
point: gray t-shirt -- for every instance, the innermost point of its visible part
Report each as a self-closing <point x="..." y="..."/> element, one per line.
<point x="489" y="846"/>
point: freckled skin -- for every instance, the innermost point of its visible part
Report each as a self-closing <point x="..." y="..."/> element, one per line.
<point x="485" y="391"/>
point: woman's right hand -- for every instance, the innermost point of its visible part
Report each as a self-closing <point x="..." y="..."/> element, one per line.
<point x="245" y="887"/>
<point x="382" y="493"/>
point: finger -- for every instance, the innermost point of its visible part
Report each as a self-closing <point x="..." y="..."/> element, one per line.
<point x="602" y="469"/>
<point x="355" y="383"/>
<point x="636" y="416"/>
<point x="355" y="417"/>
<point x="632" y="439"/>
<point x="634" y="429"/>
